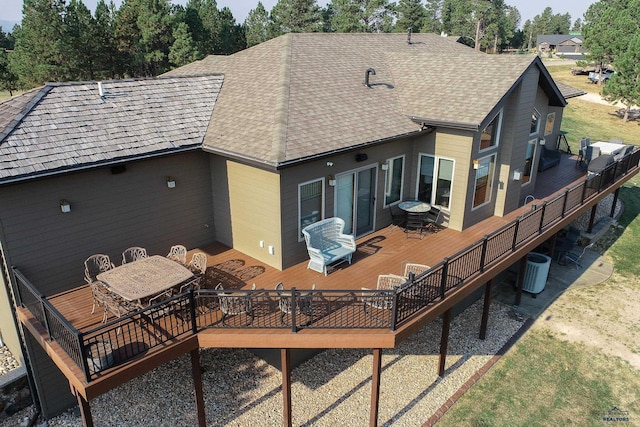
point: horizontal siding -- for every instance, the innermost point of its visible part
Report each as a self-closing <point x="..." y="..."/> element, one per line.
<point x="108" y="214"/>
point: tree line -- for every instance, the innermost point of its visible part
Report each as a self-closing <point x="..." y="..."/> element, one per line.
<point x="60" y="41"/>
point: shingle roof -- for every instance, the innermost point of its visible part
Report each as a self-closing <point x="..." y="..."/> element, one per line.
<point x="556" y="39"/>
<point x="302" y="95"/>
<point x="69" y="125"/>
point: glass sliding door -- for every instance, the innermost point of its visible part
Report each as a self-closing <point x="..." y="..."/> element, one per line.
<point x="355" y="200"/>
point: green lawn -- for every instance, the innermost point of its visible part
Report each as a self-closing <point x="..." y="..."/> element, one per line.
<point x="546" y="379"/>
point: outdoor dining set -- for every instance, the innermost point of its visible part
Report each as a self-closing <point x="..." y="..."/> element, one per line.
<point x="598" y="155"/>
<point x="141" y="280"/>
<point x="416" y="217"/>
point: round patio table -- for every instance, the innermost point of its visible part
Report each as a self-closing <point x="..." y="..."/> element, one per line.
<point x="414" y="206"/>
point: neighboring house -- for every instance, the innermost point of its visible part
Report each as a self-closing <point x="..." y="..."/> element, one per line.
<point x="287" y="132"/>
<point x="566" y="45"/>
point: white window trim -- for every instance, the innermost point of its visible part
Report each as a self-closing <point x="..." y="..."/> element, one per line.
<point x="493" y="173"/>
<point x="498" y="133"/>
<point x="387" y="181"/>
<point x="300" y="235"/>
<point x="436" y="166"/>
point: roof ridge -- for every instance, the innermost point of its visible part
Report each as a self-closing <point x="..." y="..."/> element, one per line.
<point x="281" y="114"/>
<point x="35" y="99"/>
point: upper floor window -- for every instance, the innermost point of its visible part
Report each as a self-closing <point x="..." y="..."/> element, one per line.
<point x="394" y="180"/>
<point x="528" y="161"/>
<point x="310" y="203"/>
<point x="535" y="122"/>
<point x="490" y="135"/>
<point x="484" y="180"/>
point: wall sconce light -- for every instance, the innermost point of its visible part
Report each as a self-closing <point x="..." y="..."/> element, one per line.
<point x="476" y="164"/>
<point x="171" y="183"/>
<point x="517" y="174"/>
<point x="384" y="166"/>
<point x="65" y="206"/>
<point x="332" y="180"/>
<point x="329" y="164"/>
<point x="542" y="141"/>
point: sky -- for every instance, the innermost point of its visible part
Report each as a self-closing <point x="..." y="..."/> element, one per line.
<point x="11" y="10"/>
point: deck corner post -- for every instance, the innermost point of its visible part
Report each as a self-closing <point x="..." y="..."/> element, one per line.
<point x="85" y="410"/>
<point x="521" y="272"/>
<point x="444" y="341"/>
<point x="285" y="365"/>
<point x="375" y="387"/>
<point x="196" y="373"/>
<point x="485" y="309"/>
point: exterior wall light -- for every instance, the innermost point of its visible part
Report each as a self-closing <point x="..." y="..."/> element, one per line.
<point x="65" y="206"/>
<point x="171" y="183"/>
<point x="332" y="180"/>
<point x="476" y="164"/>
<point x="384" y="166"/>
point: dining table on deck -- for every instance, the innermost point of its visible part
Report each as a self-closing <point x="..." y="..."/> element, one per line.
<point x="146" y="277"/>
<point x="609" y="148"/>
<point x="414" y="206"/>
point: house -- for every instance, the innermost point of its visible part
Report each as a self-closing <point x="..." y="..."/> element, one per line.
<point x="259" y="144"/>
<point x="567" y="45"/>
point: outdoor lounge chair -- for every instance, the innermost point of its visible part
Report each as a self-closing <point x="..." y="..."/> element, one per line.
<point x="326" y="243"/>
<point x="575" y="258"/>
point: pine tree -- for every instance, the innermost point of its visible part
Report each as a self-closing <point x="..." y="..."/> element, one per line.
<point x="256" y="26"/>
<point x="295" y="16"/>
<point x="183" y="51"/>
<point x="411" y="14"/>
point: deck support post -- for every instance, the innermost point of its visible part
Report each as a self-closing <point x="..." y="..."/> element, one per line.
<point x="592" y="218"/>
<point x="375" y="387"/>
<point x="521" y="271"/>
<point x="196" y="373"/>
<point x="444" y="341"/>
<point x="615" y="202"/>
<point x="285" y="364"/>
<point x="485" y="309"/>
<point x="85" y="410"/>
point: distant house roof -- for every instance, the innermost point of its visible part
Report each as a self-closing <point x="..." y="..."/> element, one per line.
<point x="556" y="39"/>
<point x="299" y="96"/>
<point x="65" y="126"/>
<point x="569" y="91"/>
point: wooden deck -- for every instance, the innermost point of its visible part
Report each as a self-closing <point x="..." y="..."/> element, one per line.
<point x="382" y="252"/>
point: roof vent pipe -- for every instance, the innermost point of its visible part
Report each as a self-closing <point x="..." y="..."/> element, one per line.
<point x="100" y="90"/>
<point x="370" y="71"/>
<point x="409" y="36"/>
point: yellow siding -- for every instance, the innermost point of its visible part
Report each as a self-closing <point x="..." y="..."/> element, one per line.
<point x="254" y="199"/>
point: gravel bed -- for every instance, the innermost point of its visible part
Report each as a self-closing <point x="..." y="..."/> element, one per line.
<point x="7" y="361"/>
<point x="333" y="388"/>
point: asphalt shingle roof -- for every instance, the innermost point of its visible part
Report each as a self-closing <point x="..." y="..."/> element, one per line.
<point x="302" y="95"/>
<point x="69" y="125"/>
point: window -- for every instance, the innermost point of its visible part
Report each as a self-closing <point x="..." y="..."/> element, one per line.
<point x="310" y="203"/>
<point x="394" y="180"/>
<point x="490" y="135"/>
<point x="535" y="122"/>
<point x="434" y="180"/>
<point x="484" y="181"/>
<point x="548" y="127"/>
<point x="528" y="161"/>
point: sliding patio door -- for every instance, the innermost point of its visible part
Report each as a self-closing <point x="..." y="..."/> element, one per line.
<point x="355" y="200"/>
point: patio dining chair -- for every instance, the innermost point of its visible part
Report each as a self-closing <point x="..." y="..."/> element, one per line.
<point x="398" y="216"/>
<point x="432" y="217"/>
<point x="381" y="301"/>
<point x="413" y="268"/>
<point x="575" y="258"/>
<point x="198" y="266"/>
<point x="591" y="153"/>
<point x="415" y="224"/>
<point x="95" y="265"/>
<point x="235" y="304"/>
<point x="178" y="253"/>
<point x="582" y="151"/>
<point x="133" y="254"/>
<point x="304" y="303"/>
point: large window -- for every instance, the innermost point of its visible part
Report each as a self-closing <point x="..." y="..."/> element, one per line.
<point x="434" y="180"/>
<point x="535" y="122"/>
<point x="489" y="136"/>
<point x="310" y="203"/>
<point x="484" y="181"/>
<point x="394" y="180"/>
<point x="528" y="162"/>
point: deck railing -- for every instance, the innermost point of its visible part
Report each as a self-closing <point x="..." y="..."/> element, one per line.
<point x="137" y="333"/>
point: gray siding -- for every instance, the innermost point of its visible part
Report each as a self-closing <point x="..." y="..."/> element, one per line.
<point x="108" y="214"/>
<point x="220" y="196"/>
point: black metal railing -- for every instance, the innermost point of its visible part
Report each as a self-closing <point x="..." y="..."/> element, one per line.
<point x="136" y="333"/>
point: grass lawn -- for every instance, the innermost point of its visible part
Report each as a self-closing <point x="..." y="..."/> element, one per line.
<point x="548" y="377"/>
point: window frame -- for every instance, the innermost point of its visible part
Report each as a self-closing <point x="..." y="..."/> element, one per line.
<point x="497" y="132"/>
<point x="534" y="142"/>
<point x="538" y="119"/>
<point x="490" y="180"/>
<point x="388" y="183"/>
<point x="434" y="183"/>
<point x="322" y="203"/>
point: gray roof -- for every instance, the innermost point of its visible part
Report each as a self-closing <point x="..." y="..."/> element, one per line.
<point x="64" y="126"/>
<point x="299" y="96"/>
<point x="556" y="39"/>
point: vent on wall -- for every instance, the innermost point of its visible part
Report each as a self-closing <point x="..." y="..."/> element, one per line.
<point x="118" y="169"/>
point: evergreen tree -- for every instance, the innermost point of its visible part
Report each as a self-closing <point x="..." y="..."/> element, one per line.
<point x="7" y="41"/>
<point x="256" y="26"/>
<point x="230" y="35"/>
<point x="79" y="40"/>
<point x="295" y="16"/>
<point x="624" y="85"/>
<point x="154" y="22"/>
<point x="38" y="55"/>
<point x="184" y="50"/>
<point x="432" y="23"/>
<point x="411" y="14"/>
<point x="8" y="79"/>
<point x="107" y="62"/>
<point x="577" y="26"/>
<point x="371" y="16"/>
